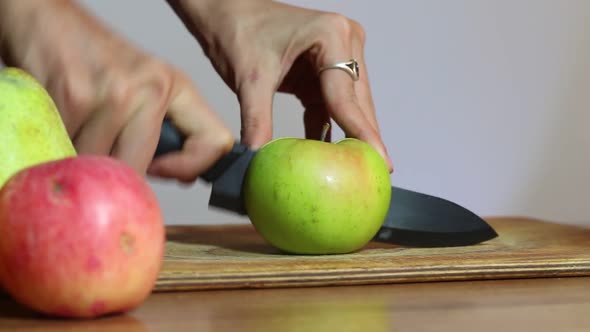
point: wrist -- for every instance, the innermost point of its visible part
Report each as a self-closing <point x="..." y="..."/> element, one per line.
<point x="205" y="19"/>
<point x="195" y="15"/>
<point x="11" y="12"/>
<point x="21" y="25"/>
<point x="36" y="35"/>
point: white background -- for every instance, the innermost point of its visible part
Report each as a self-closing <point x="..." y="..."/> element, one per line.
<point x="484" y="102"/>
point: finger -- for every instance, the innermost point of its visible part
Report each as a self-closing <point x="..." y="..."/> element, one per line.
<point x="187" y="165"/>
<point x="100" y="130"/>
<point x="256" y="96"/>
<point x="361" y="87"/>
<point x="137" y="141"/>
<point x="207" y="137"/>
<point x="116" y="105"/>
<point x="343" y="106"/>
<point x="74" y="95"/>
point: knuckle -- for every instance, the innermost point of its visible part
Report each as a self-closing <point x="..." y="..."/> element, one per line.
<point x="359" y="31"/>
<point x="336" y="23"/>
<point x="160" y="87"/>
<point x="251" y="122"/>
<point x="80" y="97"/>
<point x="225" y="141"/>
<point x="117" y="97"/>
<point x="76" y="101"/>
<point x="149" y="91"/>
<point x="118" y="91"/>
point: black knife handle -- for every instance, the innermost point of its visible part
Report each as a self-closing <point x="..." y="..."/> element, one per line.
<point x="171" y="140"/>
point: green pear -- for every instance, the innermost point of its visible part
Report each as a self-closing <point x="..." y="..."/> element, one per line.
<point x="31" y="128"/>
<point x="314" y="197"/>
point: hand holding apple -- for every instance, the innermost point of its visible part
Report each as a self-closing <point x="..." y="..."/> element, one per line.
<point x="314" y="197"/>
<point x="81" y="237"/>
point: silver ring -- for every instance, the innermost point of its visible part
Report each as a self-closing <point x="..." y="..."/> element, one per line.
<point x="351" y="67"/>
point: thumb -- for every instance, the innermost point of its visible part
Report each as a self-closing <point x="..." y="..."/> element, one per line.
<point x="256" y="99"/>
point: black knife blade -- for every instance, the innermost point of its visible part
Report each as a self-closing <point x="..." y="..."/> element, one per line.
<point x="413" y="219"/>
<point x="421" y="220"/>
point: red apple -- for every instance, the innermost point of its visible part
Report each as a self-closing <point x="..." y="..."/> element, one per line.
<point x="80" y="237"/>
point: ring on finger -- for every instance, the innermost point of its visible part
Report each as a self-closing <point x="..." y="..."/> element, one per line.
<point x="351" y="67"/>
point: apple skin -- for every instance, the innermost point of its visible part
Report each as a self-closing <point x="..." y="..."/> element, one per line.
<point x="81" y="237"/>
<point x="314" y="197"/>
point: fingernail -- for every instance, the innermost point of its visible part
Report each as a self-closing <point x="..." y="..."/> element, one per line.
<point x="388" y="160"/>
<point x="389" y="164"/>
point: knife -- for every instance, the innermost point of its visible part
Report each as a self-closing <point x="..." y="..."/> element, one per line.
<point x="414" y="219"/>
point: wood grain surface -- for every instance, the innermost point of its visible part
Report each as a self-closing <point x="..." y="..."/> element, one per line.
<point x="540" y="305"/>
<point x="235" y="256"/>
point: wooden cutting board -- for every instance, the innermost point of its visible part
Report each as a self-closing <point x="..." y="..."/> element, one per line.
<point x="235" y="256"/>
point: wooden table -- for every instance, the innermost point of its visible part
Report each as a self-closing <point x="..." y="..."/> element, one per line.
<point x="553" y="304"/>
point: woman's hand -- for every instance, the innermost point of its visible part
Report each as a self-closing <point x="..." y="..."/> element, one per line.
<point x="260" y="47"/>
<point x="112" y="97"/>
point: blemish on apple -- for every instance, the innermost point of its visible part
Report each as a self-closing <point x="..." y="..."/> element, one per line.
<point x="93" y="264"/>
<point x="127" y="242"/>
<point x="57" y="187"/>
<point x="63" y="311"/>
<point x="98" y="307"/>
<point x="13" y="81"/>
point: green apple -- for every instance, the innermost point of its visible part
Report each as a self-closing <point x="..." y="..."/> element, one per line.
<point x="31" y="128"/>
<point x="314" y="197"/>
